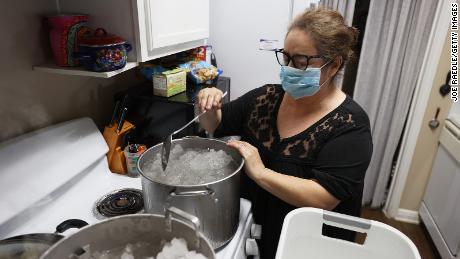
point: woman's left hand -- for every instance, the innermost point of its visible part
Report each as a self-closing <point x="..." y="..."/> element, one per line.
<point x="253" y="164"/>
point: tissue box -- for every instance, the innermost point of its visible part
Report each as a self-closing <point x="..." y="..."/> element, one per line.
<point x="170" y="82"/>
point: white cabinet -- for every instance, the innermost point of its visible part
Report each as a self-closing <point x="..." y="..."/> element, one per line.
<point x="171" y="22"/>
<point x="440" y="209"/>
<point x="155" y="28"/>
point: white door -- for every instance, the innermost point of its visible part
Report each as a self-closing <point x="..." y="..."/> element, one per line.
<point x="171" y="22"/>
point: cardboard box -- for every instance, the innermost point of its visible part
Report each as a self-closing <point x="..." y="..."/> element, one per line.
<point x="170" y="82"/>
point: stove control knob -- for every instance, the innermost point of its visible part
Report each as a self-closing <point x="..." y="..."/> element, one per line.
<point x="256" y="231"/>
<point x="251" y="247"/>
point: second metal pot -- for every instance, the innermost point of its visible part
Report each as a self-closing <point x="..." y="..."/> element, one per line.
<point x="113" y="234"/>
<point x="216" y="204"/>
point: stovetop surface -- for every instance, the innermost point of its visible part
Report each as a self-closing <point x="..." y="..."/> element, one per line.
<point x="77" y="200"/>
<point x="58" y="173"/>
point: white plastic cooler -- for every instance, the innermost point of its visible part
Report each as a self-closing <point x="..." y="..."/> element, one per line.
<point x="301" y="238"/>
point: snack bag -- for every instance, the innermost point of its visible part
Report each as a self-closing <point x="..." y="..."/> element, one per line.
<point x="200" y="72"/>
<point x="198" y="53"/>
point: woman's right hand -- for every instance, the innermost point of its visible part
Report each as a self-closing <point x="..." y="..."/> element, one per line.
<point x="209" y="99"/>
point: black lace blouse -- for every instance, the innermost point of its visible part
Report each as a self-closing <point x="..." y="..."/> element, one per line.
<point x="335" y="151"/>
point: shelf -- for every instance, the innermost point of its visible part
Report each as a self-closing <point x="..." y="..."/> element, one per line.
<point x="78" y="71"/>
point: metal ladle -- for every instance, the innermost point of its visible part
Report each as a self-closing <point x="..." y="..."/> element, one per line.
<point x="166" y="148"/>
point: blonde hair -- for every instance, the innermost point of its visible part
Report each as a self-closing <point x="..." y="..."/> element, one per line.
<point x="331" y="35"/>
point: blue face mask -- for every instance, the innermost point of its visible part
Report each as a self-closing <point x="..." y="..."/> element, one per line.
<point x="300" y="83"/>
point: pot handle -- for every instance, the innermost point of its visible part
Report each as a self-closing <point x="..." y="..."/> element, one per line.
<point x="176" y="193"/>
<point x="128" y="47"/>
<point x="70" y="223"/>
<point x="185" y="216"/>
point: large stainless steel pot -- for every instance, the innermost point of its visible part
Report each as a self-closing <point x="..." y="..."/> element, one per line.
<point x="216" y="204"/>
<point x="115" y="233"/>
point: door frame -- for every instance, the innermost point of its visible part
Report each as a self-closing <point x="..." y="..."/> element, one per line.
<point x="418" y="106"/>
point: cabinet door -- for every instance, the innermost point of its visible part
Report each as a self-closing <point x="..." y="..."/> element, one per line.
<point x="170" y="22"/>
<point x="443" y="190"/>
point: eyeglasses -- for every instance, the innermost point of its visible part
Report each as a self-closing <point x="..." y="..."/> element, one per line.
<point x="299" y="61"/>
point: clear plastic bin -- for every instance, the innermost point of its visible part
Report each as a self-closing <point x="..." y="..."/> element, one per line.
<point x="301" y="238"/>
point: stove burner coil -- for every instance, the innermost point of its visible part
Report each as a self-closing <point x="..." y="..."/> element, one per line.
<point x="120" y="202"/>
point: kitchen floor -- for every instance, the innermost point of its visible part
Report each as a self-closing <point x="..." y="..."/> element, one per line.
<point x="417" y="233"/>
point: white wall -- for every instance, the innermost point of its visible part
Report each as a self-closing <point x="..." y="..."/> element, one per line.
<point x="30" y="99"/>
<point x="236" y="27"/>
<point x="235" y="30"/>
<point x="300" y="5"/>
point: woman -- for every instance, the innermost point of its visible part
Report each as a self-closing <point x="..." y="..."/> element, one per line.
<point x="305" y="142"/>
